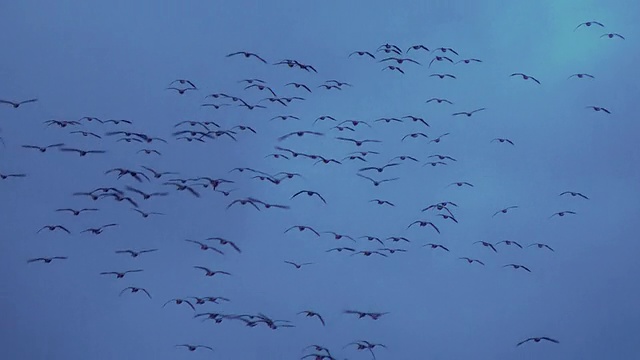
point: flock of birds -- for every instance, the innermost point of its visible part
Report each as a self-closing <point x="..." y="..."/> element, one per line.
<point x="146" y="182"/>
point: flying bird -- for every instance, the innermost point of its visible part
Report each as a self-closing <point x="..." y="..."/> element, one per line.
<point x="247" y="55"/>
<point x="17" y="104"/>
<point x="525" y="77"/>
<point x="588" y="24"/>
<point x="537" y="340"/>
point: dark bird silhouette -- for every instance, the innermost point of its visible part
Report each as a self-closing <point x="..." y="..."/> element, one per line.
<point x="135" y="254"/>
<point x="540" y="246"/>
<point x="517" y="266"/>
<point x="120" y="275"/>
<point x="309" y="193"/>
<point x="588" y="24"/>
<point x="598" y="108"/>
<point x="439" y="101"/>
<point x="423" y="223"/>
<point x="54" y="227"/>
<point x="525" y="77"/>
<point x="76" y="212"/>
<point x="468" y="113"/>
<point x="47" y="260"/>
<point x="98" y="230"/>
<point x="509" y="242"/>
<point x="382" y="202"/>
<point x="182" y="82"/>
<point x="612" y="35"/>
<point x="362" y="53"/>
<point x="581" y="75"/>
<point x="487" y="244"/>
<point x="562" y="213"/>
<point x="42" y="149"/>
<point x="573" y="193"/>
<point x="471" y="261"/>
<point x="135" y="290"/>
<point x="210" y="272"/>
<point x="181" y="91"/>
<point x="377" y="182"/>
<point x="537" y="339"/>
<point x="6" y="176"/>
<point x="180" y="302"/>
<point x="298" y="266"/>
<point x="195" y="347"/>
<point x="435" y="246"/>
<point x="302" y="228"/>
<point x="247" y="55"/>
<point x="502" y="140"/>
<point x="223" y="242"/>
<point x="505" y="210"/>
<point x="17" y="104"/>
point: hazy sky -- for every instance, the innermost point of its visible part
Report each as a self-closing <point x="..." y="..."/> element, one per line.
<point x="115" y="59"/>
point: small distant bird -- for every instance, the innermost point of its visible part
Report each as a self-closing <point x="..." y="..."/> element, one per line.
<point x="468" y="113"/>
<point x="517" y="266"/>
<point x="471" y="261"/>
<point x="504" y="211"/>
<point x="572" y="193"/>
<point x="609" y="35"/>
<point x="54" y="227"/>
<point x="298" y="266"/>
<point x="439" y="101"/>
<point x="119" y="275"/>
<point x="76" y="212"/>
<point x="310" y="313"/>
<point x="435" y="246"/>
<point x="391" y="67"/>
<point x="541" y="245"/>
<point x="588" y="24"/>
<point x="309" y="193"/>
<point x="135" y="290"/>
<point x="537" y="339"/>
<point x="42" y="148"/>
<point x="181" y="91"/>
<point x="182" y="82"/>
<point x="598" y="108"/>
<point x="581" y="75"/>
<point x="362" y="53"/>
<point x="502" y="140"/>
<point x="562" y="213"/>
<point x="509" y="242"/>
<point x="525" y="77"/>
<point x="135" y="254"/>
<point x="180" y="302"/>
<point x="47" y="260"/>
<point x="382" y="202"/>
<point x="210" y="272"/>
<point x="460" y="183"/>
<point x="247" y="55"/>
<point x="195" y="347"/>
<point x="17" y="104"/>
<point x="487" y="244"/>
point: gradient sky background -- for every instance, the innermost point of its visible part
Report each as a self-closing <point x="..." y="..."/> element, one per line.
<point x="114" y="59"/>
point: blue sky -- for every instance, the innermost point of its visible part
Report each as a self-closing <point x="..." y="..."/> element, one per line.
<point x="115" y="60"/>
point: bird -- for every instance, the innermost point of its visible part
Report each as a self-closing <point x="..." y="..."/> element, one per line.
<point x="135" y="290"/>
<point x="211" y="272"/>
<point x="540" y="246"/>
<point x="247" y="55"/>
<point x="505" y="210"/>
<point x="612" y="35"/>
<point x="573" y="193"/>
<point x="120" y="275"/>
<point x="42" y="149"/>
<point x="54" y="227"/>
<point x="487" y="244"/>
<point x="16" y="104"/>
<point x="297" y="266"/>
<point x="76" y="212"/>
<point x="6" y="176"/>
<point x="502" y="140"/>
<point x="563" y="213"/>
<point x="517" y="266"/>
<point x="581" y="75"/>
<point x="588" y="24"/>
<point x="195" y="347"/>
<point x="598" y="108"/>
<point x="133" y="253"/>
<point x="439" y="101"/>
<point x="468" y="113"/>
<point x="362" y="53"/>
<point x="179" y="302"/>
<point x="471" y="261"/>
<point x="204" y="246"/>
<point x="509" y="242"/>
<point x="525" y="77"/>
<point x="47" y="260"/>
<point x="435" y="246"/>
<point x="309" y="193"/>
<point x="537" y="339"/>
